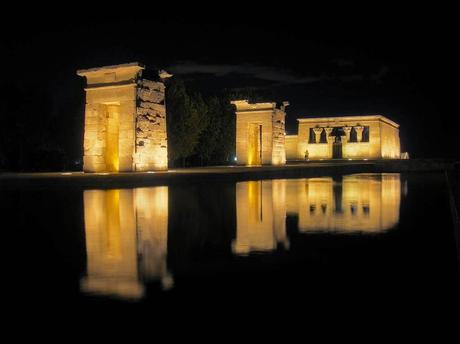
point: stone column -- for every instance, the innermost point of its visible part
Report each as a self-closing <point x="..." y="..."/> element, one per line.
<point x="347" y="131"/>
<point x="330" y="139"/>
<point x="317" y="132"/>
<point x="359" y="133"/>
<point x="344" y="139"/>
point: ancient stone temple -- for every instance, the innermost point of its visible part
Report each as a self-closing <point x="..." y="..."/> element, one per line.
<point x="260" y="130"/>
<point x="349" y="137"/>
<point x="125" y="120"/>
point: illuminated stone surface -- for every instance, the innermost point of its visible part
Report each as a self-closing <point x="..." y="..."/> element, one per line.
<point x="126" y="234"/>
<point x="351" y="137"/>
<point x="260" y="133"/>
<point x="125" y="120"/>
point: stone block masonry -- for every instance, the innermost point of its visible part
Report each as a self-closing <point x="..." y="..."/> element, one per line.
<point x="260" y="133"/>
<point x="125" y="120"/>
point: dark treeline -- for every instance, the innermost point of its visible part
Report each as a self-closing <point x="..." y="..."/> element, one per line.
<point x="39" y="131"/>
<point x="43" y="131"/>
<point x="201" y="129"/>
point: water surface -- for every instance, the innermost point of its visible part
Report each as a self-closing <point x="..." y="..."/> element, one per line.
<point x="361" y="235"/>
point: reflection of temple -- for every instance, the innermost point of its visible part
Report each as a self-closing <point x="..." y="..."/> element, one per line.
<point x="127" y="230"/>
<point x="126" y="240"/>
<point x="260" y="216"/>
<point x="357" y="203"/>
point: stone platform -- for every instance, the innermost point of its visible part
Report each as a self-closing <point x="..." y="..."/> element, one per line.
<point x="299" y="169"/>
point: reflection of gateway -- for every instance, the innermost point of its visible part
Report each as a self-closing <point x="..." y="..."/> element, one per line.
<point x="357" y="203"/>
<point x="126" y="240"/>
<point x="261" y="216"/>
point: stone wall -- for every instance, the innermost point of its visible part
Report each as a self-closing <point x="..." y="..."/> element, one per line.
<point x="390" y="143"/>
<point x="259" y="133"/>
<point x="125" y="120"/>
<point x="383" y="138"/>
<point x="151" y="151"/>
<point x="291" y="142"/>
<point x="243" y="146"/>
<point x="279" y="151"/>
<point x="101" y="105"/>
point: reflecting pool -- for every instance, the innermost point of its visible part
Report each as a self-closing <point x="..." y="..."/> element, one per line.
<point x="297" y="237"/>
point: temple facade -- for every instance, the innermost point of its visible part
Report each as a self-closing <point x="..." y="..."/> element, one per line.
<point x="125" y="120"/>
<point x="349" y="137"/>
<point x="260" y="131"/>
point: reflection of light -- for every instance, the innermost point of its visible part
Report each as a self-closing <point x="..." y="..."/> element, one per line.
<point x="126" y="234"/>
<point x="236" y="159"/>
<point x="365" y="159"/>
<point x="350" y="159"/>
<point x="102" y="173"/>
<point x="261" y="216"/>
<point x="359" y="203"/>
<point x="150" y="171"/>
<point x="66" y="173"/>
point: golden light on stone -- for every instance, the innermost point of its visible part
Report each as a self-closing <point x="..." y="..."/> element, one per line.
<point x="382" y="141"/>
<point x="125" y="120"/>
<point x="260" y="133"/>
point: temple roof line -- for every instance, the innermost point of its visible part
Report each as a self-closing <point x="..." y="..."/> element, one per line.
<point x="106" y="69"/>
<point x="349" y="118"/>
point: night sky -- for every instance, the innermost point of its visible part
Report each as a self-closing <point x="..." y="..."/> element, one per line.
<point x="376" y="60"/>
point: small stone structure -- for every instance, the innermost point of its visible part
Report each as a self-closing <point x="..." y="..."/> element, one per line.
<point x="260" y="131"/>
<point x="348" y="137"/>
<point x="125" y="120"/>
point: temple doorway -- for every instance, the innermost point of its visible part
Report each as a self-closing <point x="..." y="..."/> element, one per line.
<point x="255" y="144"/>
<point x="112" y="138"/>
<point x="337" y="148"/>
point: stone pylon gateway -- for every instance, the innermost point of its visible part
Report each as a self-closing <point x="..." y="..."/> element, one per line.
<point x="260" y="131"/>
<point x="125" y="120"/>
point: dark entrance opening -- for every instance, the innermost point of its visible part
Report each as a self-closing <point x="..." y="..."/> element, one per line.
<point x="337" y="148"/>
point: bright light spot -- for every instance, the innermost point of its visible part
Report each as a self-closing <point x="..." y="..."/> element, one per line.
<point x="235" y="158"/>
<point x="284" y="133"/>
<point x="365" y="159"/>
<point x="66" y="173"/>
<point x="350" y="159"/>
<point x="171" y="170"/>
<point x="103" y="173"/>
<point x="150" y="171"/>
